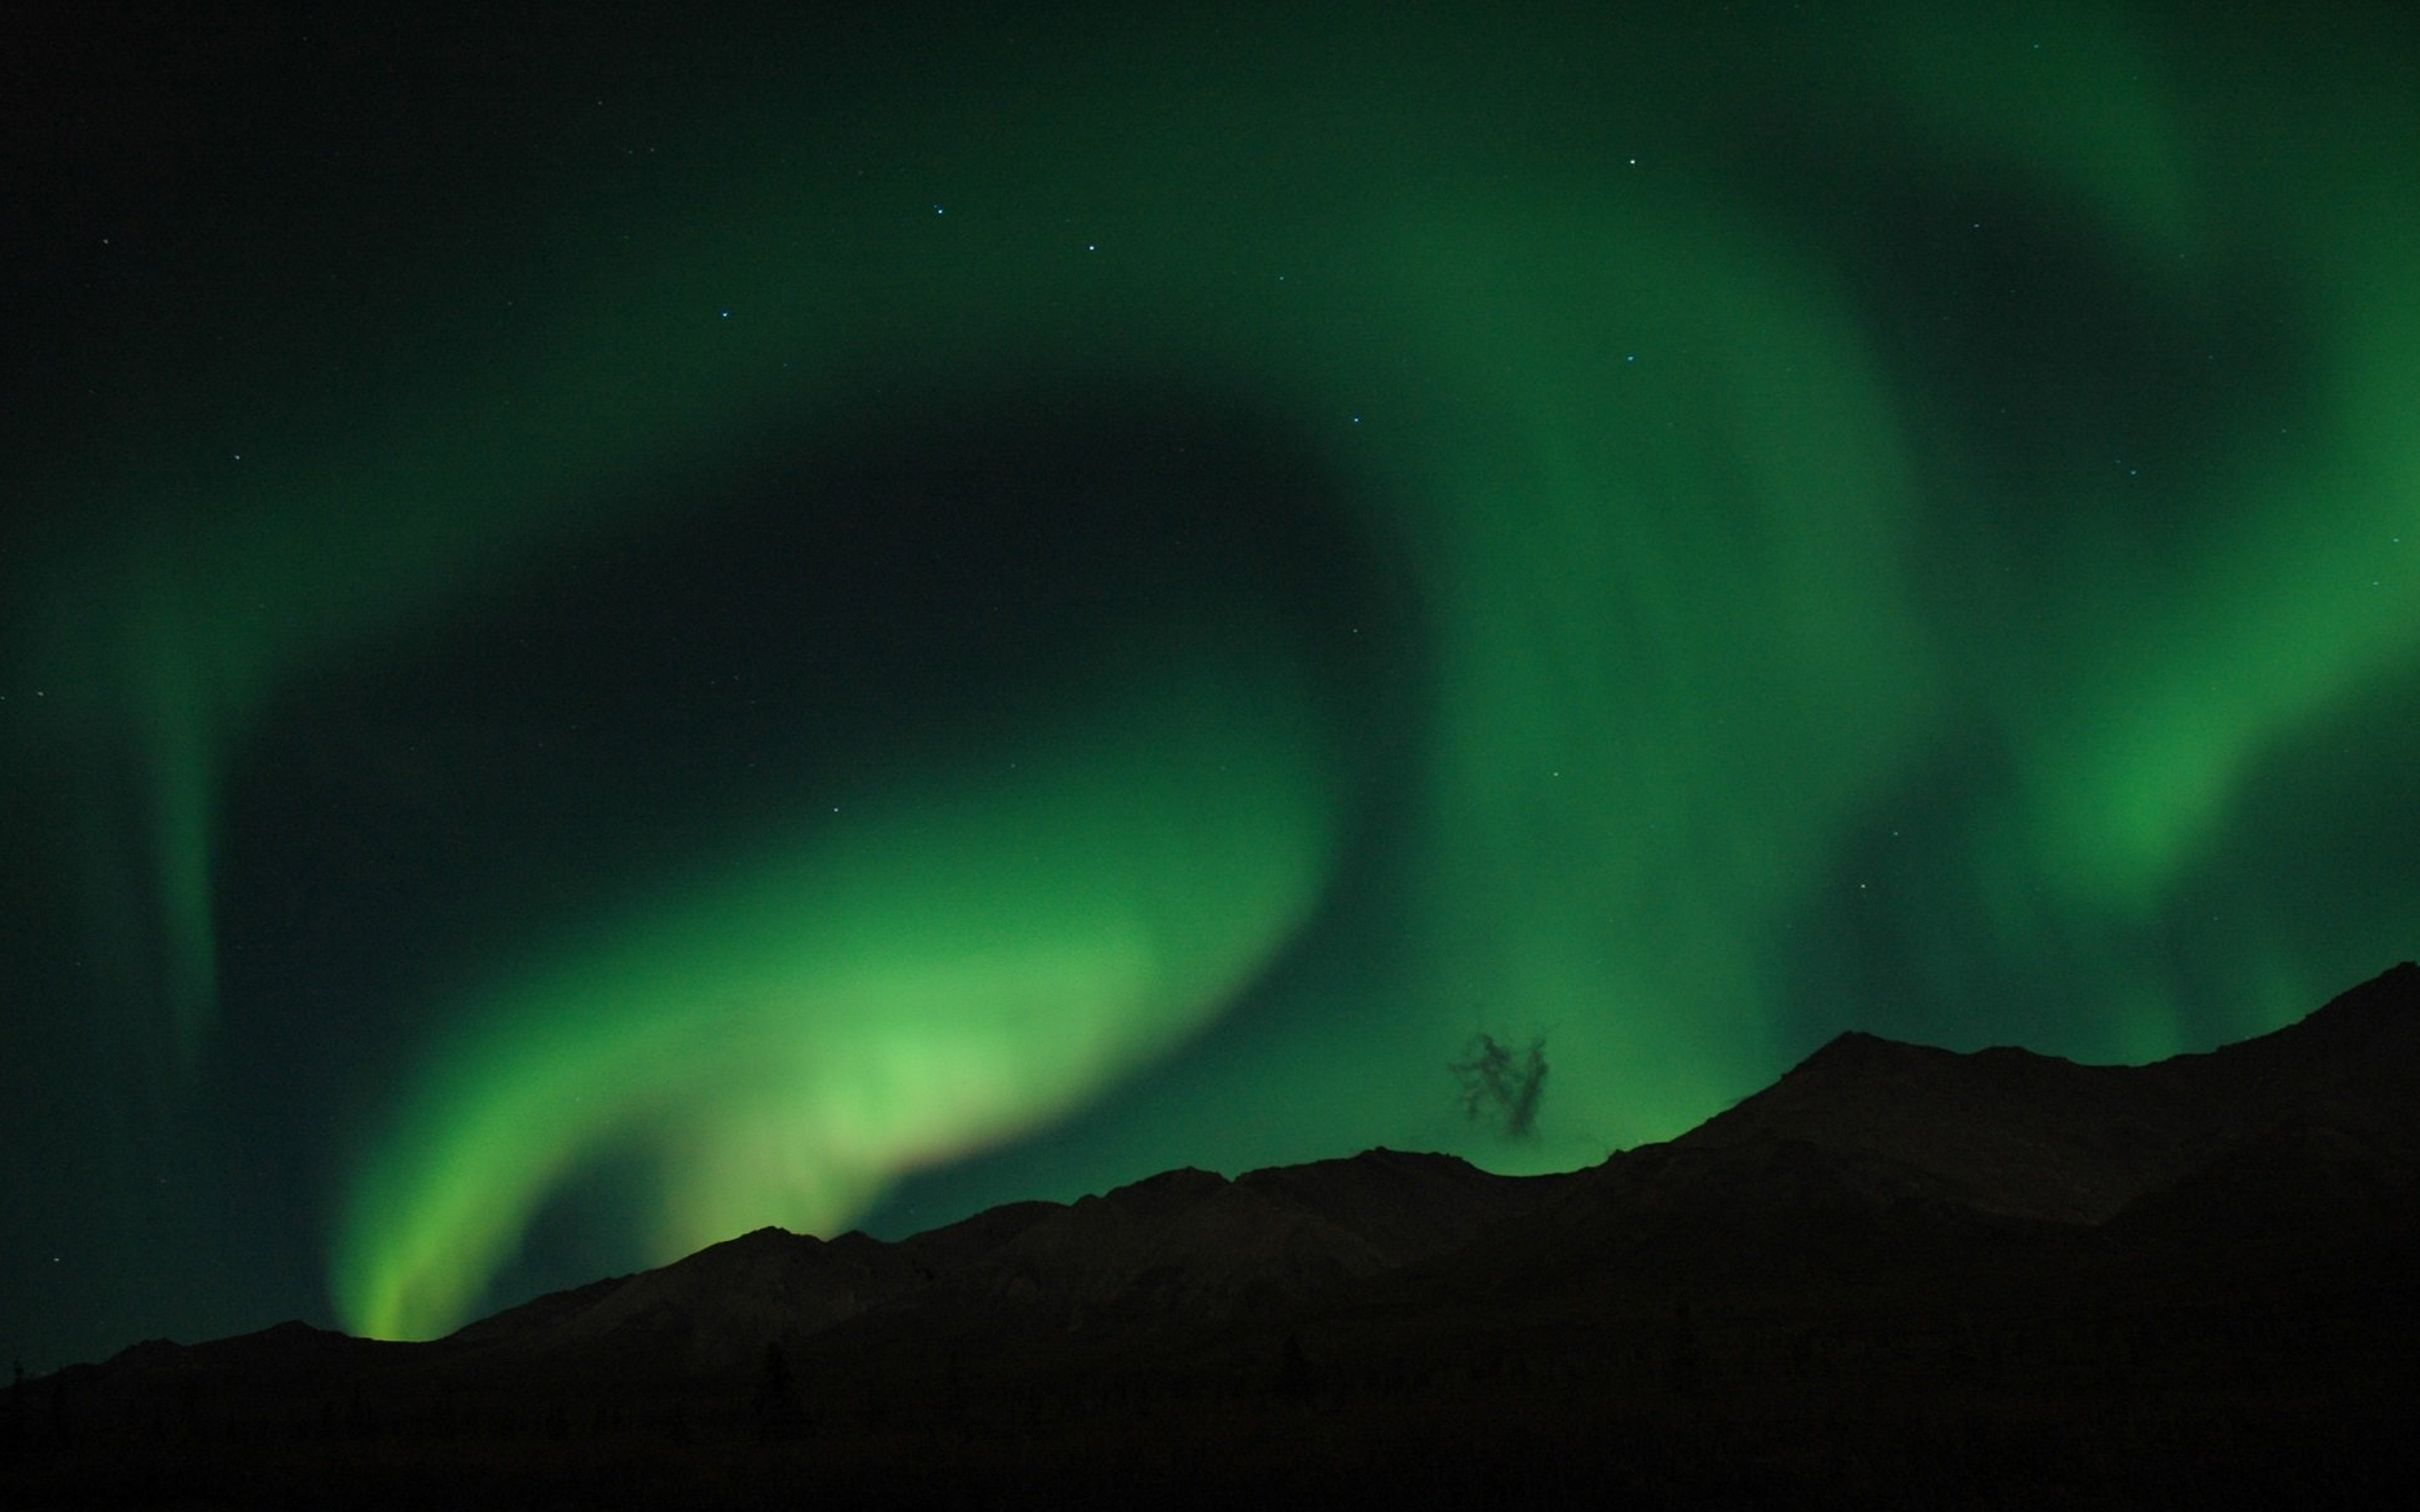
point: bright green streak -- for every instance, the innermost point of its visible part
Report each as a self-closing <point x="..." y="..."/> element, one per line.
<point x="1696" y="631"/>
<point x="900" y="986"/>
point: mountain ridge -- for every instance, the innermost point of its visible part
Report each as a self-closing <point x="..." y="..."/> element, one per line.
<point x="2031" y="1136"/>
<point x="2211" y="1234"/>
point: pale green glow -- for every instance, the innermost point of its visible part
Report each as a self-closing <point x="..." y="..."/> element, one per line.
<point x="2304" y="604"/>
<point x="887" y="989"/>
<point x="1660" y="633"/>
<point x="1675" y="526"/>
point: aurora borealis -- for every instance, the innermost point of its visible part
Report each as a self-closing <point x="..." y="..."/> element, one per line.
<point x="614" y="638"/>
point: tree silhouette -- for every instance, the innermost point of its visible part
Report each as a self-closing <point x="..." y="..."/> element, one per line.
<point x="1498" y="1088"/>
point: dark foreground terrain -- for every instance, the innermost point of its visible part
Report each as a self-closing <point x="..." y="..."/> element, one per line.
<point x="1899" y="1277"/>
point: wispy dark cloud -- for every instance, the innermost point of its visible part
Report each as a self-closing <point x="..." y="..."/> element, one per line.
<point x="1499" y="1086"/>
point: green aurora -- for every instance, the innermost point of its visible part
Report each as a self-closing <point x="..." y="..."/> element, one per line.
<point x="1802" y="521"/>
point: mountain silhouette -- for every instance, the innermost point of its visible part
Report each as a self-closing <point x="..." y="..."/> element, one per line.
<point x="1899" y="1272"/>
<point x="2007" y="1131"/>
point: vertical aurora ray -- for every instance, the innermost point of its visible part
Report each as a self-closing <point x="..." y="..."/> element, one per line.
<point x="1907" y="521"/>
<point x="1653" y="640"/>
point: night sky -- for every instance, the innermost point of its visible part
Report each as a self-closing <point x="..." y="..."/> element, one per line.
<point x="610" y="637"/>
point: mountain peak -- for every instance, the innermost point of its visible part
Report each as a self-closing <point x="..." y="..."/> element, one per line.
<point x="2387" y="1004"/>
<point x="1184" y="1184"/>
<point x="2016" y="1133"/>
<point x="2062" y="1212"/>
